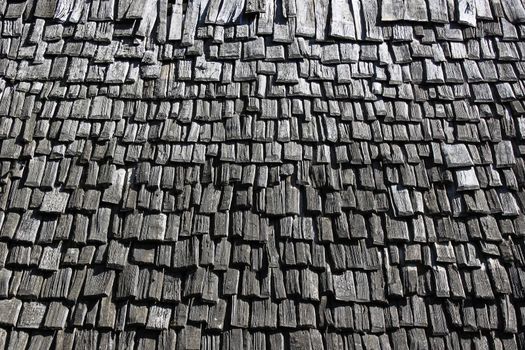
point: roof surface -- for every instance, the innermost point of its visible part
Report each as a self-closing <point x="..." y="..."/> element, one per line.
<point x="260" y="174"/>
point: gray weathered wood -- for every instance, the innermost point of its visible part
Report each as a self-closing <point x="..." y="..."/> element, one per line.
<point x="176" y="21"/>
<point x="321" y="17"/>
<point x="341" y="20"/>
<point x="416" y="10"/>
<point x="514" y="10"/>
<point x="190" y="22"/>
<point x="467" y="12"/>
<point x="438" y="11"/>
<point x="305" y="25"/>
<point x="392" y="10"/>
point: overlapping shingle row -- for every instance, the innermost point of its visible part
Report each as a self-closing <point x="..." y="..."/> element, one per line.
<point x="262" y="174"/>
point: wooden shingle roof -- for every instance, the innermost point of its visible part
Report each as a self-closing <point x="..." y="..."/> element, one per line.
<point x="262" y="174"/>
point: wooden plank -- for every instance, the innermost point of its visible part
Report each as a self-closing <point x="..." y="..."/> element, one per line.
<point x="392" y="10"/>
<point x="106" y="10"/>
<point x="149" y="16"/>
<point x="321" y="16"/>
<point x="227" y="11"/>
<point x="401" y="201"/>
<point x="467" y="12"/>
<point x="255" y="6"/>
<point x="357" y="11"/>
<point x="176" y="19"/>
<point x="136" y="9"/>
<point x="203" y="11"/>
<point x="514" y="10"/>
<point x="212" y="11"/>
<point x="305" y="24"/>
<point x="122" y="8"/>
<point x="207" y="71"/>
<point x="32" y="315"/>
<point x="342" y="20"/>
<point x="438" y="11"/>
<point x="289" y="8"/>
<point x="10" y="309"/>
<point x="300" y="340"/>
<point x="45" y="8"/>
<point x="434" y="73"/>
<point x="265" y="20"/>
<point x="77" y="9"/>
<point x="190" y="22"/>
<point x="162" y="21"/>
<point x="370" y="13"/>
<point x="416" y="10"/>
<point x="239" y="8"/>
<point x="62" y="10"/>
<point x="483" y="9"/>
<point x="287" y="73"/>
<point x="54" y="202"/>
<point x="456" y="155"/>
<point x="282" y="27"/>
<point x="93" y="9"/>
<point x="466" y="179"/>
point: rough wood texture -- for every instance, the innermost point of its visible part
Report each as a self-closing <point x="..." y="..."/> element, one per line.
<point x="262" y="174"/>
